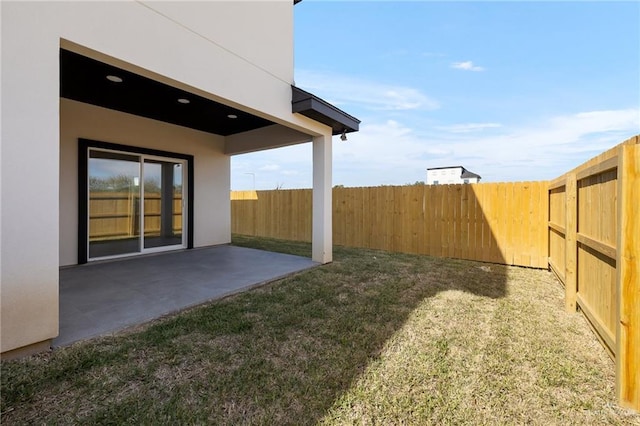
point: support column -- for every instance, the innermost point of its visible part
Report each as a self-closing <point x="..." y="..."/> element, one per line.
<point x="322" y="228"/>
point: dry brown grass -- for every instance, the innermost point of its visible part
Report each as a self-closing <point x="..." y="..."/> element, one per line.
<point x="461" y="358"/>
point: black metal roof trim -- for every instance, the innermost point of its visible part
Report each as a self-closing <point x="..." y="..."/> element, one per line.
<point x="446" y="167"/>
<point x="320" y="110"/>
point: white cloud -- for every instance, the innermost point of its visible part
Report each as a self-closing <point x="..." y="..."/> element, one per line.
<point x="437" y="152"/>
<point x="467" y="66"/>
<point x="347" y="90"/>
<point x="269" y="168"/>
<point x="544" y="150"/>
<point x="383" y="153"/>
<point x="288" y="167"/>
<point x="394" y="153"/>
<point x="433" y="54"/>
<point x="469" y="127"/>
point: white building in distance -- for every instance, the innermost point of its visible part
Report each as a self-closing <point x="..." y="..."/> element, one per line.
<point x="450" y="175"/>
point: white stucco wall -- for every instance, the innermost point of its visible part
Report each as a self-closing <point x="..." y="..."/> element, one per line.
<point x="212" y="217"/>
<point x="242" y="26"/>
<point x="239" y="53"/>
<point x="29" y="167"/>
<point x="444" y="176"/>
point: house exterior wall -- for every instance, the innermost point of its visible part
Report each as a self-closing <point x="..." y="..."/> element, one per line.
<point x="239" y="26"/>
<point x="447" y="176"/>
<point x="212" y="206"/>
<point x="207" y="48"/>
<point x="444" y="176"/>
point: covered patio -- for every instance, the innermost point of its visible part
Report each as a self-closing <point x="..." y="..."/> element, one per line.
<point x="116" y="138"/>
<point x="104" y="297"/>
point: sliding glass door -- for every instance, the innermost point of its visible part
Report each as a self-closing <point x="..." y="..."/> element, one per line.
<point x="136" y="203"/>
<point x="114" y="204"/>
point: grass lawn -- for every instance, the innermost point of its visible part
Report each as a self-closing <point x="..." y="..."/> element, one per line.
<point x="373" y="338"/>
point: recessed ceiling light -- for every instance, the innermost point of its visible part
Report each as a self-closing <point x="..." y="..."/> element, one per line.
<point x="114" y="78"/>
<point x="184" y="101"/>
<point x="232" y="116"/>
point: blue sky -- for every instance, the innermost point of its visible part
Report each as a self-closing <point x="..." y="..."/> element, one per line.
<point x="510" y="90"/>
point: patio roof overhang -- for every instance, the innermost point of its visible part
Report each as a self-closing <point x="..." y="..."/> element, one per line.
<point x="86" y="80"/>
<point x="320" y="110"/>
<point x="91" y="81"/>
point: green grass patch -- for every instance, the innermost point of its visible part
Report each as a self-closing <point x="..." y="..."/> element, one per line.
<point x="373" y="338"/>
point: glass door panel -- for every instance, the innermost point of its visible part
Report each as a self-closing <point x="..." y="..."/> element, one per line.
<point x="114" y="204"/>
<point x="162" y="203"/>
<point x="178" y="200"/>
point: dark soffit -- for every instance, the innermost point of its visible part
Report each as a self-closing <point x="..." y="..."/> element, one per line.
<point x="84" y="79"/>
<point x="320" y="110"/>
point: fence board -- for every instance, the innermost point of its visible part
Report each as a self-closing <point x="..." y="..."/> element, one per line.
<point x="498" y="243"/>
<point x="482" y="215"/>
<point x="445" y="220"/>
<point x="597" y="286"/>
<point x="464" y="223"/>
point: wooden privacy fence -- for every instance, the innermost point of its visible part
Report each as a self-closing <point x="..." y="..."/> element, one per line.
<point x="284" y="214"/>
<point x="494" y="222"/>
<point x="584" y="225"/>
<point x="594" y="249"/>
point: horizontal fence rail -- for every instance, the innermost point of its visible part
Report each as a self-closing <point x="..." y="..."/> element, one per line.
<point x="117" y="215"/>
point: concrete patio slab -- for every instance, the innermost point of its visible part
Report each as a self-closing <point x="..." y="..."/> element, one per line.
<point x="100" y="298"/>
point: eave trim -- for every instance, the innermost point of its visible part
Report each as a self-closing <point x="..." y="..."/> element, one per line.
<point x="317" y="109"/>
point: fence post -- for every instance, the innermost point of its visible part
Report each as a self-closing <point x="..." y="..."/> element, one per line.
<point x="628" y="279"/>
<point x="571" y="249"/>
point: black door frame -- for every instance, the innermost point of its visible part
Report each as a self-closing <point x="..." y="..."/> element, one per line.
<point x="83" y="187"/>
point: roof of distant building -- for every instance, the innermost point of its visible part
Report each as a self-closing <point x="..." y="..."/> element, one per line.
<point x="446" y="167"/>
<point x="466" y="174"/>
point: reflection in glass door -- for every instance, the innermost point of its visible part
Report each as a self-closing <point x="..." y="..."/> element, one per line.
<point x="162" y="203"/>
<point x="114" y="204"/>
<point x="135" y="203"/>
